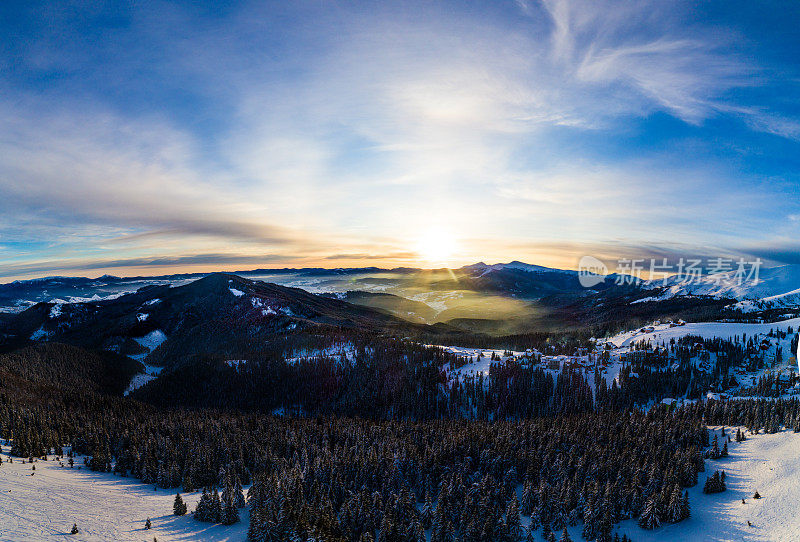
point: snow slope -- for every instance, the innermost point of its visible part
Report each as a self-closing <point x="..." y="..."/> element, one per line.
<point x="706" y="330"/>
<point x="773" y="287"/>
<point x="768" y="464"/>
<point x="150" y="341"/>
<point x="151" y="372"/>
<point x="105" y="507"/>
<point x="787" y="300"/>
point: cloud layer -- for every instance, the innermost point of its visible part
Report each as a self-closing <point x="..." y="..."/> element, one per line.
<point x="155" y="136"/>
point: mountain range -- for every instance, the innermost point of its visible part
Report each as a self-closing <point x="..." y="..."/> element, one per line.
<point x="495" y="299"/>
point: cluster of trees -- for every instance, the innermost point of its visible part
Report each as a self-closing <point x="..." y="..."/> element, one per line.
<point x="716" y="452"/>
<point x="715" y="483"/>
<point x="215" y="509"/>
<point x="342" y="478"/>
<point x="754" y="414"/>
<point x="387" y="379"/>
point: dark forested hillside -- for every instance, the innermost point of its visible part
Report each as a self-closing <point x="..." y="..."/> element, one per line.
<point x="62" y="367"/>
<point x="221" y="315"/>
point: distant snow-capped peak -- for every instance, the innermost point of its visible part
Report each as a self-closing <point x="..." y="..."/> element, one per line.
<point x="482" y="268"/>
<point x="771" y="286"/>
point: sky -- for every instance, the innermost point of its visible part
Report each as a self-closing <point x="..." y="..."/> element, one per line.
<point x="141" y="138"/>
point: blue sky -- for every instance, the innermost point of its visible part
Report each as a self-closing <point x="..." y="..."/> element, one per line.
<point x="141" y="138"/>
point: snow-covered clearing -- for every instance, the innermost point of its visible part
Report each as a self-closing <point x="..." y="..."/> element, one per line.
<point x="769" y="464"/>
<point x="55" y="310"/>
<point x="482" y="359"/>
<point x="104" y="506"/>
<point x="344" y="350"/>
<point x="40" y="334"/>
<point x="151" y="372"/>
<point x="706" y="330"/>
<point x="151" y="340"/>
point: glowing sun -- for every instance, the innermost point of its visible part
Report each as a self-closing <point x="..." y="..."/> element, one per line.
<point x="436" y="246"/>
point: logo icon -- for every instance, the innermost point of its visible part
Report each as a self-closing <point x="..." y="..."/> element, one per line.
<point x="591" y="271"/>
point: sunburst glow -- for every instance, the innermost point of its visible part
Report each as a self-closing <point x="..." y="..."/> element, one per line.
<point x="437" y="246"/>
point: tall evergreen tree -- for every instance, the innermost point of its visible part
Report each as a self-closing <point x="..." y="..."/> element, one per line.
<point x="178" y="506"/>
<point x="650" y="514"/>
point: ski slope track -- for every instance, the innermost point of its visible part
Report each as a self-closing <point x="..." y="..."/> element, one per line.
<point x="105" y="507"/>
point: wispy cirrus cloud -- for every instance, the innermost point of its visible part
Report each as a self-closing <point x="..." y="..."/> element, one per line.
<point x="317" y="132"/>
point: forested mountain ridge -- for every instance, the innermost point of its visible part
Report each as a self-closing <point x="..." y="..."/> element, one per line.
<point x="219" y="316"/>
<point x="496" y="299"/>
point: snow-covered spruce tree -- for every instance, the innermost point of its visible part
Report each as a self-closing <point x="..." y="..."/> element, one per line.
<point x="685" y="509"/>
<point x="529" y="535"/>
<point x="513" y="523"/>
<point x="527" y="502"/>
<point x="426" y="512"/>
<point x="674" y="511"/>
<point x="590" y="519"/>
<point x="178" y="507"/>
<point x="215" y="508"/>
<point x="229" y="512"/>
<point x="565" y="536"/>
<point x="258" y="497"/>
<point x="238" y="493"/>
<point x="203" y="510"/>
<point x="650" y="515"/>
<point x="536" y="521"/>
<point x="416" y="532"/>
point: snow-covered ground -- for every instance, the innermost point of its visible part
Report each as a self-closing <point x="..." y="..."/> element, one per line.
<point x="151" y="372"/>
<point x="706" y="330"/>
<point x="344" y="349"/>
<point x="151" y="341"/>
<point x="481" y="360"/>
<point x="104" y="506"/>
<point x="769" y="464"/>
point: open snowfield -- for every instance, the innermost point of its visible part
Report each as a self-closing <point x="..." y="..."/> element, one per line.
<point x="151" y="372"/>
<point x="105" y="507"/>
<point x="769" y="464"/>
<point x="706" y="330"/>
<point x="478" y="365"/>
